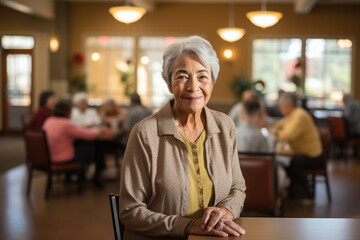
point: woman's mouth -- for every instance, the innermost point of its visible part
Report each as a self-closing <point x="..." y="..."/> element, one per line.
<point x="193" y="98"/>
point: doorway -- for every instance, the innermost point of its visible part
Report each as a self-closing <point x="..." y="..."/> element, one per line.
<point x="17" y="65"/>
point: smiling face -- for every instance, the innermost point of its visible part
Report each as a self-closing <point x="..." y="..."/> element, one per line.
<point x="191" y="84"/>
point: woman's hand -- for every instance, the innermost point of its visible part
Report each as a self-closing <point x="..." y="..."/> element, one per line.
<point x="196" y="229"/>
<point x="220" y="219"/>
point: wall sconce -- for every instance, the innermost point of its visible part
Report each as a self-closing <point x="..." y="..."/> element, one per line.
<point x="54" y="44"/>
<point x="95" y="56"/>
<point x="344" y="43"/>
<point x="228" y="53"/>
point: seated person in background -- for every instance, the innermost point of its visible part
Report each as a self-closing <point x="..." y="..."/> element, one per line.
<point x="235" y="112"/>
<point x="236" y="109"/>
<point x="61" y="134"/>
<point x="135" y="113"/>
<point x="250" y="138"/>
<point x="300" y="131"/>
<point x="47" y="103"/>
<point x="352" y="115"/>
<point x="110" y="113"/>
<point x="81" y="114"/>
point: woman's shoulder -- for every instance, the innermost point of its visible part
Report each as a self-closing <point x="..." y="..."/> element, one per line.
<point x="221" y="118"/>
<point x="148" y="124"/>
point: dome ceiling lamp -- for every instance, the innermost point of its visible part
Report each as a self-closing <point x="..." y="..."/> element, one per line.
<point x="264" y="18"/>
<point x="231" y="33"/>
<point x="127" y="14"/>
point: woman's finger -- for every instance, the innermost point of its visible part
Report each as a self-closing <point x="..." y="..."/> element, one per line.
<point x="218" y="233"/>
<point x="213" y="220"/>
<point x="220" y="226"/>
<point x="206" y="217"/>
<point x="230" y="231"/>
<point x="234" y="226"/>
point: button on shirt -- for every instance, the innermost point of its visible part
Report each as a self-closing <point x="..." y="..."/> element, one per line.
<point x="201" y="193"/>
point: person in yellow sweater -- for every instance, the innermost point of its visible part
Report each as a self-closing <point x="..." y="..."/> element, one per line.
<point x="298" y="128"/>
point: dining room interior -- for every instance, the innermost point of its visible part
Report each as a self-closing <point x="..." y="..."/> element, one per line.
<point x="104" y="74"/>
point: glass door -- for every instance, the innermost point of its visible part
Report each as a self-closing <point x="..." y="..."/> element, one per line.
<point x="17" y="81"/>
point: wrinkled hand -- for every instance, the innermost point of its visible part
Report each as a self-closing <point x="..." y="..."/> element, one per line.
<point x="196" y="229"/>
<point x="220" y="219"/>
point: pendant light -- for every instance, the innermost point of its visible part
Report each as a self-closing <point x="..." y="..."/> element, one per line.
<point x="264" y="18"/>
<point x="231" y="33"/>
<point x="127" y="14"/>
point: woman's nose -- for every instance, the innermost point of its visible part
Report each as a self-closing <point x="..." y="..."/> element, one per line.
<point x="193" y="84"/>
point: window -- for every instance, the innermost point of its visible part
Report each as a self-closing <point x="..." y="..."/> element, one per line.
<point x="328" y="66"/>
<point x="120" y="64"/>
<point x="17" y="42"/>
<point x="273" y="62"/>
<point x="110" y="68"/>
<point x="151" y="86"/>
<point x="323" y="72"/>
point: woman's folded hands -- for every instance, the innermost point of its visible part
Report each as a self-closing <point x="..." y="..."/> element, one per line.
<point x="218" y="222"/>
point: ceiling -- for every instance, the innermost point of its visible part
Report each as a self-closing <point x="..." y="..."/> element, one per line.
<point x="45" y="8"/>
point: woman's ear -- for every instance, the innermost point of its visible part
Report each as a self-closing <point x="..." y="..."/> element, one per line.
<point x="170" y="88"/>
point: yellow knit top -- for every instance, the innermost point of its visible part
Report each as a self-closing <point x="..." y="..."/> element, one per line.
<point x="299" y="130"/>
<point x="201" y="192"/>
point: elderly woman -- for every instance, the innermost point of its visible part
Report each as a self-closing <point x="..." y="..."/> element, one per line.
<point x="81" y="114"/>
<point x="181" y="172"/>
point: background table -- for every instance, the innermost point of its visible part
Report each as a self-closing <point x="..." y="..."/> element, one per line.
<point x="295" y="229"/>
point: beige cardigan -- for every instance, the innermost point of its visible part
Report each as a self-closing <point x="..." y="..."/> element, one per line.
<point x="154" y="187"/>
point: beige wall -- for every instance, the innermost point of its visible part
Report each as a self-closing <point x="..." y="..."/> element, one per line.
<point x="327" y="21"/>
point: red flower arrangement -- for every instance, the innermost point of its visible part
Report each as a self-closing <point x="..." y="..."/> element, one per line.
<point x="79" y="58"/>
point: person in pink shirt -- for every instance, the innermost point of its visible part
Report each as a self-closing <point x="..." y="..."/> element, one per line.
<point x="62" y="136"/>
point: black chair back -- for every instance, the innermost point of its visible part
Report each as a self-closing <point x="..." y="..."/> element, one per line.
<point x="119" y="228"/>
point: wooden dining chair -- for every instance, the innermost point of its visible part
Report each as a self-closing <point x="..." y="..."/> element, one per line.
<point x="119" y="228"/>
<point x="38" y="158"/>
<point x="339" y="134"/>
<point x="322" y="171"/>
<point x="259" y="171"/>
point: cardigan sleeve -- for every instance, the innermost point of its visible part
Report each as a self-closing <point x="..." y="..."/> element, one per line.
<point x="135" y="190"/>
<point x="234" y="202"/>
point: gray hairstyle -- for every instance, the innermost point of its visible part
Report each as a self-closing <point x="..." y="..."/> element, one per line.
<point x="79" y="97"/>
<point x="289" y="98"/>
<point x="191" y="45"/>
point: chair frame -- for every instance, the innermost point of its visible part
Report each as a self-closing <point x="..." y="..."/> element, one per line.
<point x="119" y="228"/>
<point x="343" y="139"/>
<point x="47" y="168"/>
<point x="325" y="142"/>
<point x="277" y="208"/>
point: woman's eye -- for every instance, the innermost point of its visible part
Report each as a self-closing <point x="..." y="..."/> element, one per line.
<point x="182" y="77"/>
<point x="203" y="77"/>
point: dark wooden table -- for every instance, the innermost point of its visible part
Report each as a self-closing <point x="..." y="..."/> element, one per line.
<point x="295" y="229"/>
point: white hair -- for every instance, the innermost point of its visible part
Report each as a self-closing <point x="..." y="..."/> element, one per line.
<point x="191" y="45"/>
<point x="289" y="98"/>
<point x="79" y="97"/>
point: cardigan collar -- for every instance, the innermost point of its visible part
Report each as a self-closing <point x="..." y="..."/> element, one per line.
<point x="166" y="122"/>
